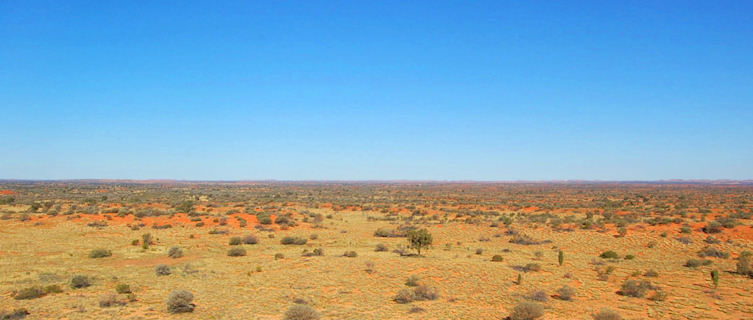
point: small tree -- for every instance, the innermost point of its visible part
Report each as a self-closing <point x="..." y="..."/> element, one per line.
<point x="418" y="239"/>
<point x="715" y="277"/>
<point x="561" y="257"/>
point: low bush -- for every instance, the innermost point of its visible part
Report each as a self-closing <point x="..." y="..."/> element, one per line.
<point x="538" y="295"/>
<point x="527" y="311"/>
<point x="236" y="252"/>
<point x="293" y="240"/>
<point x="609" y="255"/>
<point x="180" y="301"/>
<point x="110" y="300"/>
<point x="163" y="270"/>
<point x="350" y="254"/>
<point x="712" y="252"/>
<point x="403" y="296"/>
<point x="53" y="288"/>
<point x="532" y="267"/>
<point x="745" y="264"/>
<point x="234" y="241"/>
<point x="607" y="314"/>
<point x="29" y="293"/>
<point x="497" y="258"/>
<point x="122" y="288"/>
<point x="175" y="252"/>
<point x="16" y="314"/>
<point x="80" y="281"/>
<point x="424" y="292"/>
<point x="412" y="281"/>
<point x="635" y="288"/>
<point x="695" y="263"/>
<point x="381" y="248"/>
<point x="301" y="312"/>
<point x="250" y="239"/>
<point x="651" y="273"/>
<point x="100" y="253"/>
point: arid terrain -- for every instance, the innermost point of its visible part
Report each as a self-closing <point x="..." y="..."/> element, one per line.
<point x="245" y="250"/>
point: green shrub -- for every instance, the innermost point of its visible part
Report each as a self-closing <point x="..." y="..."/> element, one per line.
<point x="175" y="252"/>
<point x="403" y="296"/>
<point x="609" y="255"/>
<point x="53" y="288"/>
<point x="234" y="241"/>
<point x="713" y="252"/>
<point x="527" y="311"/>
<point x="29" y="293"/>
<point x="745" y="264"/>
<point x="293" y="240"/>
<point x="412" y="281"/>
<point x="497" y="258"/>
<point x="279" y="256"/>
<point x="122" y="288"/>
<point x="424" y="292"/>
<point x="250" y="239"/>
<point x="606" y="314"/>
<point x="695" y="263"/>
<point x="532" y="267"/>
<point x="163" y="270"/>
<point x="301" y="312"/>
<point x="350" y="254"/>
<point x="380" y="248"/>
<point x="180" y="301"/>
<point x="16" y="314"/>
<point x="636" y="288"/>
<point x="100" y="253"/>
<point x="236" y="252"/>
<point x="80" y="281"/>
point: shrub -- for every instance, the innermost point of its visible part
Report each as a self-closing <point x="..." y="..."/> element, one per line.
<point x="100" y="253"/>
<point x="695" y="263"/>
<point x="607" y="314"/>
<point x="412" y="281"/>
<point x="29" y="293"/>
<point x="713" y="227"/>
<point x="293" y="240"/>
<point x="609" y="255"/>
<point x="301" y="312"/>
<point x="123" y="288"/>
<point x="234" y="241"/>
<point x="526" y="240"/>
<point x="380" y="248"/>
<point x="80" y="281"/>
<point x="658" y="296"/>
<point x="180" y="301"/>
<point x="745" y="263"/>
<point x="532" y="267"/>
<point x="424" y="292"/>
<point x="236" y="252"/>
<point x="110" y="301"/>
<point x="527" y="311"/>
<point x="651" y="273"/>
<point x="316" y="253"/>
<point x="279" y="256"/>
<point x="629" y="257"/>
<point x="713" y="252"/>
<point x="479" y="251"/>
<point x="566" y="293"/>
<point x="53" y="288"/>
<point x="175" y="252"/>
<point x="403" y="296"/>
<point x="497" y="258"/>
<point x="163" y="270"/>
<point x="418" y="239"/>
<point x="16" y="314"/>
<point x="350" y="254"/>
<point x="635" y="288"/>
<point x="539" y="295"/>
<point x="250" y="239"/>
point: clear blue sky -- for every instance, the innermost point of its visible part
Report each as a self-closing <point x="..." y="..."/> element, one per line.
<point x="478" y="90"/>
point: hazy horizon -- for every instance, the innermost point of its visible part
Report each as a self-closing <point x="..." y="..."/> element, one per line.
<point x="353" y="91"/>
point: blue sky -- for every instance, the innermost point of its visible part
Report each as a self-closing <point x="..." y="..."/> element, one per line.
<point x="351" y="90"/>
